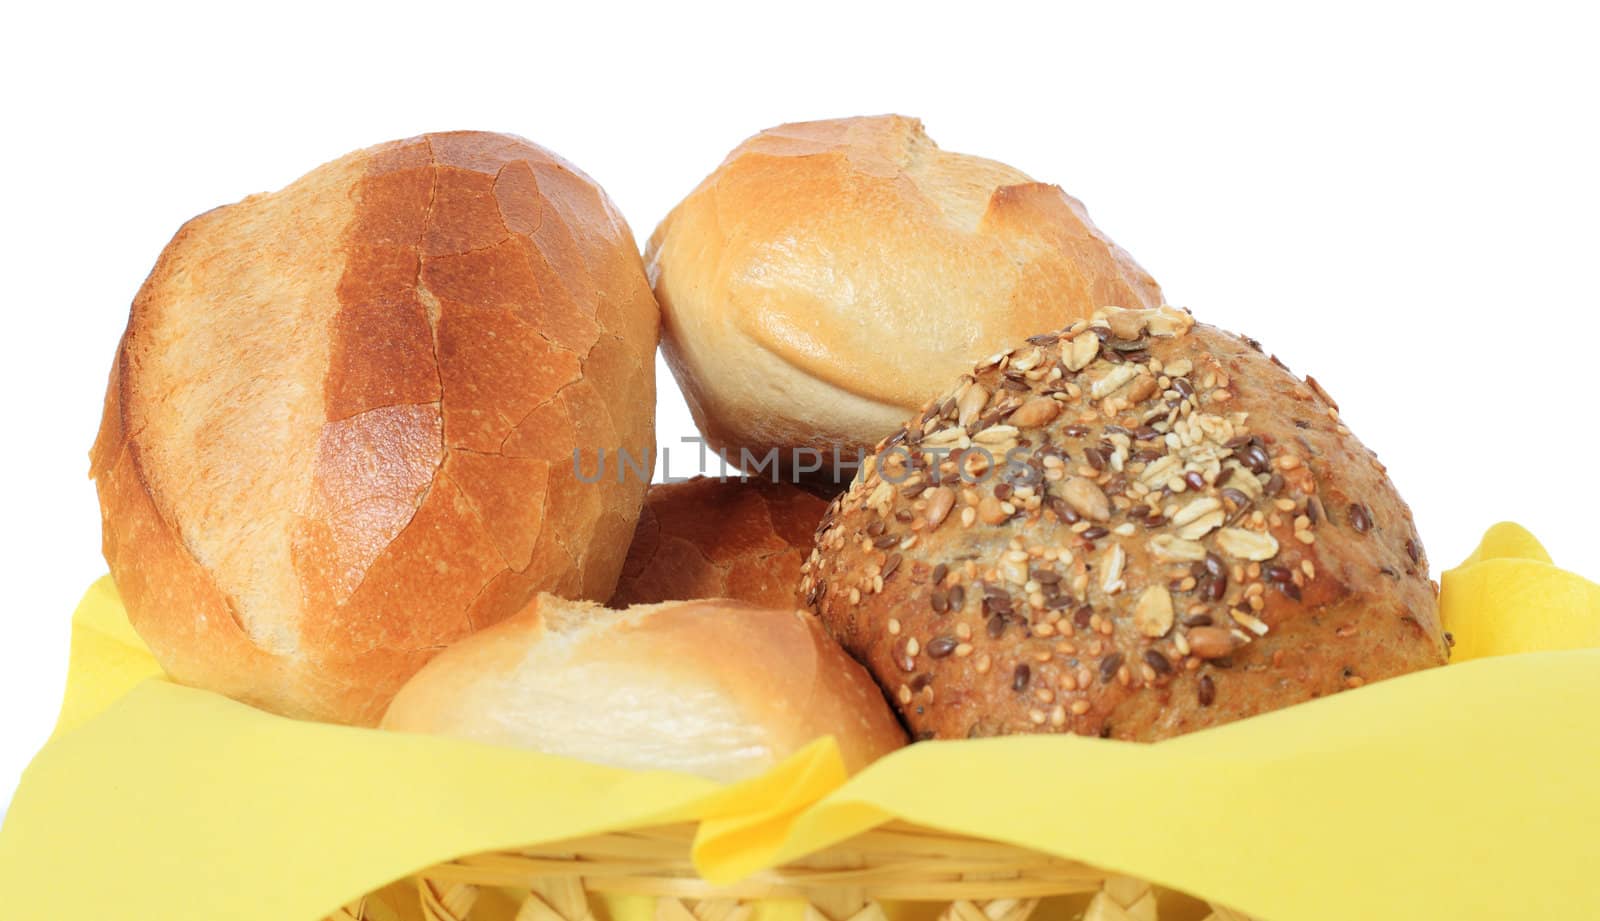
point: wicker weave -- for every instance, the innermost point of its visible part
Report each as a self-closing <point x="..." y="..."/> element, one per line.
<point x="974" y="880"/>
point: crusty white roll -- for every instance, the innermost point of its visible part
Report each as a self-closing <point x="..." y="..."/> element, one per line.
<point x="339" y="430"/>
<point x="713" y="538"/>
<point x="831" y="275"/>
<point x="716" y="688"/>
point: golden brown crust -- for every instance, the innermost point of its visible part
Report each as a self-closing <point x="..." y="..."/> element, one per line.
<point x="830" y="275"/>
<point x="166" y="575"/>
<point x="714" y="686"/>
<point x="710" y="538"/>
<point x="340" y="426"/>
<point x="1185" y="534"/>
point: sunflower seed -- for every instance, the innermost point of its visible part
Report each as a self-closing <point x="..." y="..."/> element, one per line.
<point x="971" y="402"/>
<point x="1249" y="622"/>
<point x="1152" y="614"/>
<point x="1114" y="380"/>
<point x="1116" y="558"/>
<point x="996" y="435"/>
<point x="1086" y="498"/>
<point x="940" y="501"/>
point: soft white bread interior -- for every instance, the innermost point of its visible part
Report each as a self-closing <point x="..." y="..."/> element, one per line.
<point x="830" y="276"/>
<point x="716" y="688"/>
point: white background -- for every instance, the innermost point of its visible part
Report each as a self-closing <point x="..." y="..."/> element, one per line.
<point x="1398" y="200"/>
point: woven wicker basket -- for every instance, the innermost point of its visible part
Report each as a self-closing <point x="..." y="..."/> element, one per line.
<point x="945" y="877"/>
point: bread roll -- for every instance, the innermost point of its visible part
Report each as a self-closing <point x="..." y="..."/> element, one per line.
<point x="710" y="538"/>
<point x="1175" y="532"/>
<point x="339" y="429"/>
<point x="830" y="275"/>
<point x="716" y="688"/>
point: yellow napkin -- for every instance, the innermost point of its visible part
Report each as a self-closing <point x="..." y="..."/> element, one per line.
<point x="1469" y="793"/>
<point x="1508" y="598"/>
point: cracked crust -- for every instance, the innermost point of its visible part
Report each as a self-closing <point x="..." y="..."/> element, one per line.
<point x="710" y="538"/>
<point x="830" y="275"/>
<point x="1135" y="527"/>
<point x="339" y="428"/>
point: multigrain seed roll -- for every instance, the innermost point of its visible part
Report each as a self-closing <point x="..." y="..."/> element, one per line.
<point x="715" y="538"/>
<point x="1134" y="528"/>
